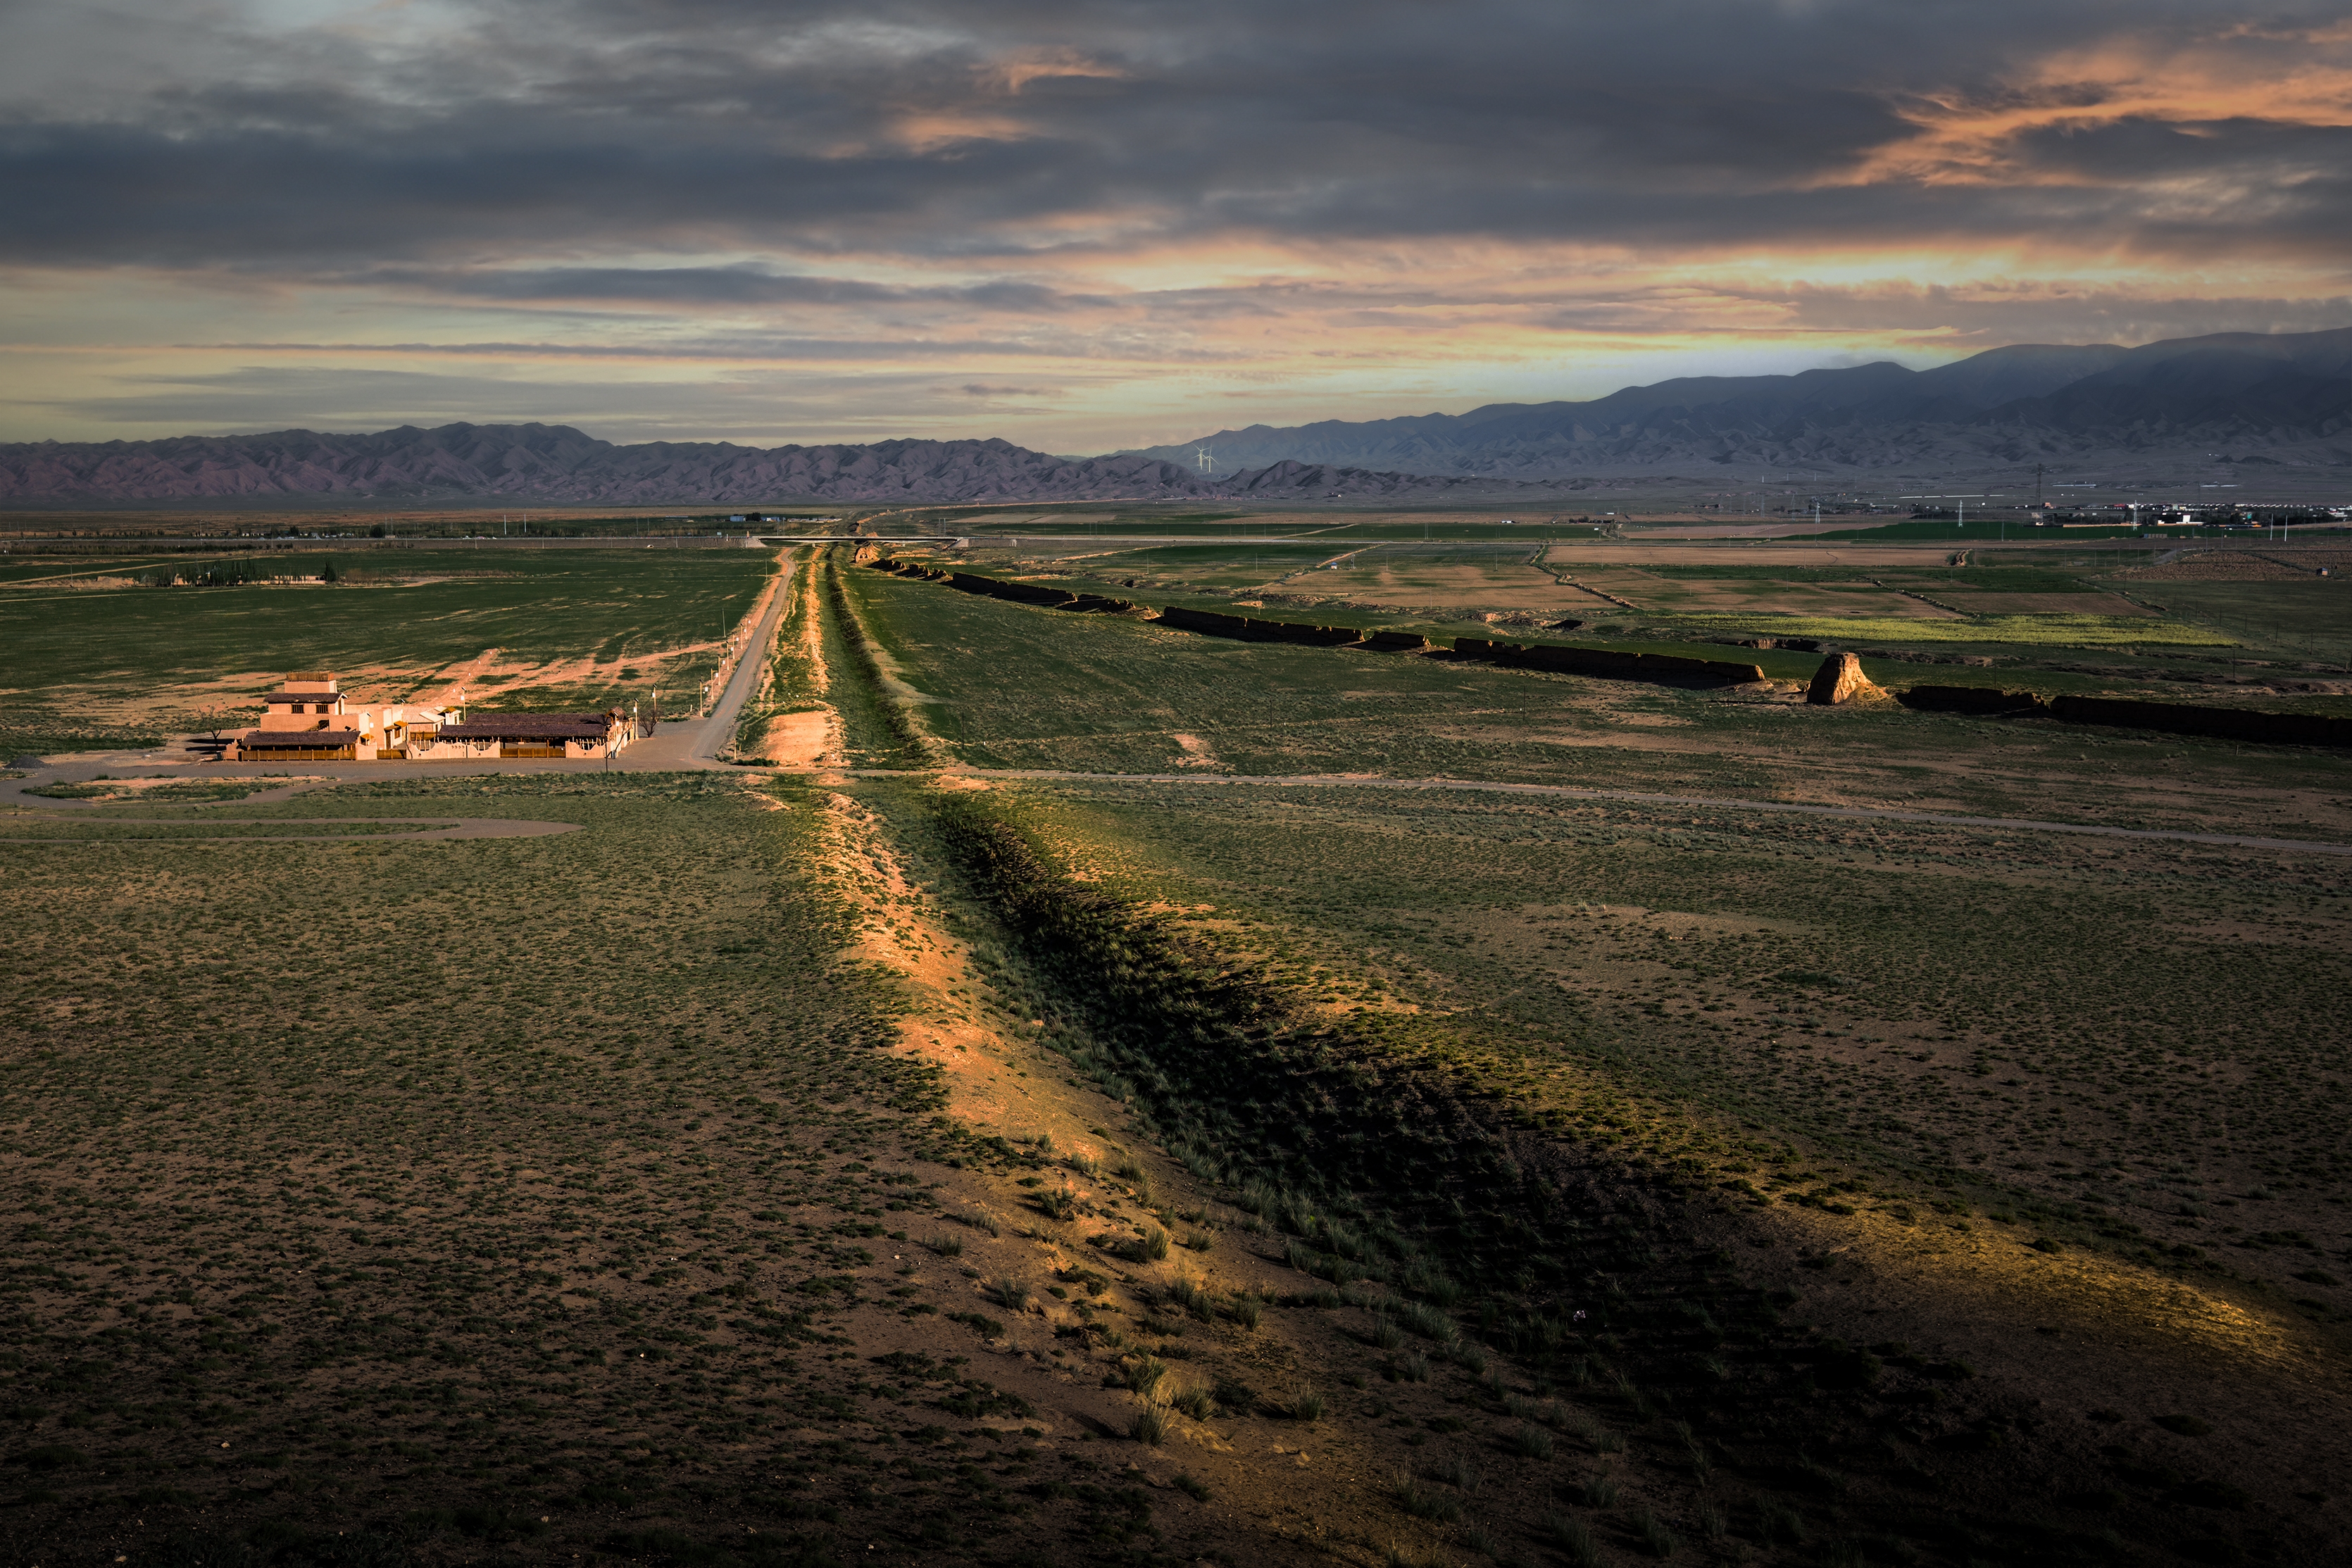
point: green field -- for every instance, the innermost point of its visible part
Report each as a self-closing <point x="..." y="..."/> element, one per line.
<point x="2037" y="579"/>
<point x="577" y="628"/>
<point x="2309" y="621"/>
<point x="1991" y="631"/>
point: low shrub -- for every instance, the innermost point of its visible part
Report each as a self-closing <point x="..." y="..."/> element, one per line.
<point x="1422" y="1504"/>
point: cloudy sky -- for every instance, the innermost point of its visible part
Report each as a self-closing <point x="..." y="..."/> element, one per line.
<point x="1084" y="227"/>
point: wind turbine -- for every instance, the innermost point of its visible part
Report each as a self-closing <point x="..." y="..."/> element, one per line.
<point x="1206" y="464"/>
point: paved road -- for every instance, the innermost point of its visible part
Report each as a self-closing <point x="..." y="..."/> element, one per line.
<point x="720" y="729"/>
<point x="697" y="743"/>
<point x="1679" y="803"/>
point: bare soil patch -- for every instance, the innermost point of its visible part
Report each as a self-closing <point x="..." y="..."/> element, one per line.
<point x="1762" y="597"/>
<point x="1198" y="753"/>
<point x="1512" y="585"/>
<point x="1569" y="557"/>
<point x="811" y="739"/>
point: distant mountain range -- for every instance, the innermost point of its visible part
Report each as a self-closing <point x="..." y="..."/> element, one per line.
<point x="2266" y="398"/>
<point x="2279" y="399"/>
<point x="555" y="464"/>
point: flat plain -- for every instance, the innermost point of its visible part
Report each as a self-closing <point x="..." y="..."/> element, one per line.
<point x="1589" y="1122"/>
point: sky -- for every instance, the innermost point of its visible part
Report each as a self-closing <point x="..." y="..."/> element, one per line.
<point x="1087" y="226"/>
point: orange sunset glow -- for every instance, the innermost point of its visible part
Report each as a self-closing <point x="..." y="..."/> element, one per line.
<point x="1084" y="228"/>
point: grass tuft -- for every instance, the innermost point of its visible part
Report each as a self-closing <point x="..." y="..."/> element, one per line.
<point x="1574" y="1540"/>
<point x="1656" y="1539"/>
<point x="1186" y="1292"/>
<point x="1456" y="1471"/>
<point x="1429" y="1505"/>
<point x="1298" y="1405"/>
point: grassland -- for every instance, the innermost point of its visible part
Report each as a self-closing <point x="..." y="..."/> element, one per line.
<point x="1961" y="1077"/>
<point x="422" y="1204"/>
<point x="2061" y="630"/>
<point x="582" y="628"/>
<point x="896" y="1166"/>
<point x="1824" y="979"/>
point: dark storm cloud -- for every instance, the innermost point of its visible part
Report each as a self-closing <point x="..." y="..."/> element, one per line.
<point x="739" y="284"/>
<point x="767" y="408"/>
<point x="2139" y="148"/>
<point x="997" y="133"/>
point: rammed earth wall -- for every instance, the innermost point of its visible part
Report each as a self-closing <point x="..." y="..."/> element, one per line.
<point x="2220" y="723"/>
<point x="1608" y="663"/>
<point x="2169" y="718"/>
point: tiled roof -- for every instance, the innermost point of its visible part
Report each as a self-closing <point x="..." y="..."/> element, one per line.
<point x="527" y="726"/>
<point x="302" y="739"/>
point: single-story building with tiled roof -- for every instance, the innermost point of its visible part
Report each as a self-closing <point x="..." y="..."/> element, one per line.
<point x="306" y="720"/>
<point x="525" y="735"/>
<point x="297" y="745"/>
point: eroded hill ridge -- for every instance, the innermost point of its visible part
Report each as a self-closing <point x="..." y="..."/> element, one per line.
<point x="2275" y="400"/>
<point x="2266" y="399"/>
<point x="555" y="463"/>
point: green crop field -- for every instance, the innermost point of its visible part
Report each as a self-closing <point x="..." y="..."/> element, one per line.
<point x="1975" y="578"/>
<point x="2310" y="620"/>
<point x="573" y="628"/>
<point x="2028" y="630"/>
